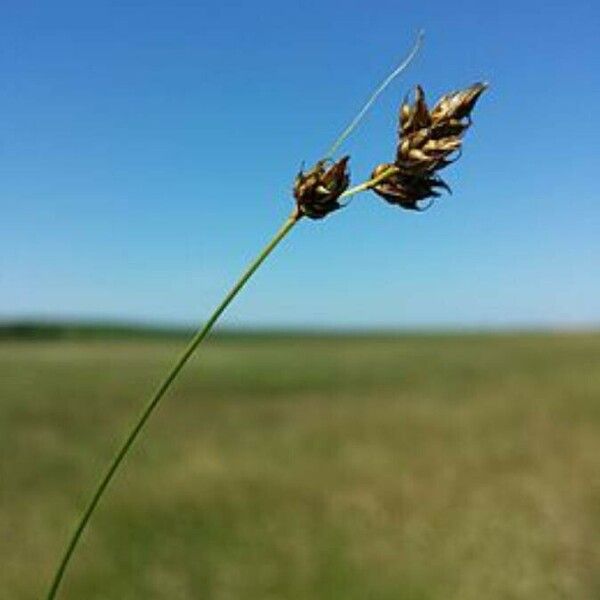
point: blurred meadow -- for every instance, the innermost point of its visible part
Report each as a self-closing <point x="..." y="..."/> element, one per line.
<point x="307" y="466"/>
<point x="148" y="150"/>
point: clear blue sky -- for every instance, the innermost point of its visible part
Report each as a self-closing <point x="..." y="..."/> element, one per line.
<point x="147" y="151"/>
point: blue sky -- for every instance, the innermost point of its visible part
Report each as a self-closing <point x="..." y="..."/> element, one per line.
<point x="147" y="151"/>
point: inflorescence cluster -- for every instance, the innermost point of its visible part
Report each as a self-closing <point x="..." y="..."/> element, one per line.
<point x="428" y="141"/>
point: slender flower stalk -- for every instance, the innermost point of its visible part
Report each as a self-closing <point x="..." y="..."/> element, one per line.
<point x="160" y="391"/>
<point x="372" y="183"/>
<point x="427" y="140"/>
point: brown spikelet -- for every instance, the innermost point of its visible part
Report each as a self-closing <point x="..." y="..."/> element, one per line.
<point x="317" y="191"/>
<point x="429" y="140"/>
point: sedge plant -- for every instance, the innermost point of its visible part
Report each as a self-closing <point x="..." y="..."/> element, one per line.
<point x="428" y="141"/>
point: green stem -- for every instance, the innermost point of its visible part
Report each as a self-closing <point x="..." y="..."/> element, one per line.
<point x="157" y="396"/>
<point x="367" y="185"/>
<point x="168" y="380"/>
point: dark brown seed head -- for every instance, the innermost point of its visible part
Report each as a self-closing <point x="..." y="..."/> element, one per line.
<point x="317" y="191"/>
<point x="429" y="140"/>
<point x="428" y="137"/>
<point x="407" y="190"/>
<point x="457" y="105"/>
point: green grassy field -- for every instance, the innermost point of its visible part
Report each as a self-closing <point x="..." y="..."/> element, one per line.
<point x="433" y="467"/>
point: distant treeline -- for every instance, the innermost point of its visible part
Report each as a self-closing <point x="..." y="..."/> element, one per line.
<point x="75" y="330"/>
<point x="31" y="330"/>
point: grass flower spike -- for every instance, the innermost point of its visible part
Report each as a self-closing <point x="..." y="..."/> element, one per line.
<point x="428" y="140"/>
<point x="318" y="190"/>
